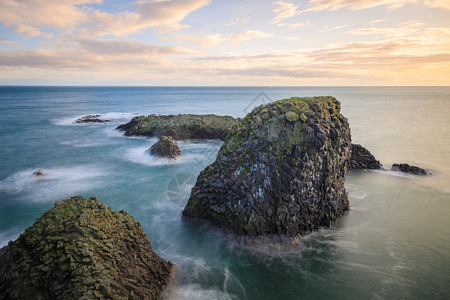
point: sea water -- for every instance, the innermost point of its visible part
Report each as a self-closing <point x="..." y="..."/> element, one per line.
<point x="394" y="243"/>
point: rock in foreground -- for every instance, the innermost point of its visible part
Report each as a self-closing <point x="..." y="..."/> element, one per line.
<point x="406" y="168"/>
<point x="280" y="173"/>
<point x="165" y="147"/>
<point x="180" y="127"/>
<point x="361" y="158"/>
<point x="81" y="249"/>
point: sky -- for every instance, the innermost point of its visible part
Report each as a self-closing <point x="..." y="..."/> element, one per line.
<point x="225" y="42"/>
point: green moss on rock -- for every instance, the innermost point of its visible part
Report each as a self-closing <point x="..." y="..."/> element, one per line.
<point x="180" y="127"/>
<point x="82" y="249"/>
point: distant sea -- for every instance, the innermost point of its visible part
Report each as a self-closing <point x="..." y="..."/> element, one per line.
<point x="394" y="243"/>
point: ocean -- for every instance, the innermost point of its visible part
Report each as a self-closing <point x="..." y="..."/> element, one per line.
<point x="394" y="243"/>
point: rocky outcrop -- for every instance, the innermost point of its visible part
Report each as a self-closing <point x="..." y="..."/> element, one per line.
<point x="91" y="119"/>
<point x="180" y="127"/>
<point x="406" y="168"/>
<point x="361" y="158"/>
<point x="165" y="147"/>
<point x="280" y="172"/>
<point x="81" y="249"/>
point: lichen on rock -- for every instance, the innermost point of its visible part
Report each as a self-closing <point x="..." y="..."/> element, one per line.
<point x="280" y="172"/>
<point x="180" y="127"/>
<point x="165" y="147"/>
<point x="82" y="249"/>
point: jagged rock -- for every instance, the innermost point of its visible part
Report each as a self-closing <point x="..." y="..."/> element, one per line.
<point x="165" y="147"/>
<point x="361" y="158"/>
<point x="91" y="119"/>
<point x="410" y="169"/>
<point x="276" y="174"/>
<point x="180" y="127"/>
<point x="81" y="249"/>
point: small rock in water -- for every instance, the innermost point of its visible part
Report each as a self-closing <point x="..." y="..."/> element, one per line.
<point x="165" y="147"/>
<point x="91" y="119"/>
<point x="39" y="173"/>
<point x="406" y="168"/>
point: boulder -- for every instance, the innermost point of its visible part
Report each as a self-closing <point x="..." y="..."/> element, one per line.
<point x="91" y="119"/>
<point x="180" y="127"/>
<point x="361" y="158"/>
<point x="82" y="249"/>
<point x="406" y="168"/>
<point x="165" y="147"/>
<point x="280" y="172"/>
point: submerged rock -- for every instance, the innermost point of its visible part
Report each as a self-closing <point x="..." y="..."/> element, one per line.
<point x="180" y="127"/>
<point x="81" y="249"/>
<point x="406" y="168"/>
<point x="361" y="158"/>
<point x="165" y="147"/>
<point x="91" y="119"/>
<point x="279" y="173"/>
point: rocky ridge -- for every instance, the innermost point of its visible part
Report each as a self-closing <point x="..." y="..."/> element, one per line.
<point x="180" y="127"/>
<point x="165" y="147"/>
<point x="279" y="173"/>
<point x="82" y="249"/>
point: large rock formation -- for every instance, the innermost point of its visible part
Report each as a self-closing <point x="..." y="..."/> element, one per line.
<point x="361" y="158"/>
<point x="180" y="127"/>
<point x="165" y="147"/>
<point x="280" y="172"/>
<point x="81" y="249"/>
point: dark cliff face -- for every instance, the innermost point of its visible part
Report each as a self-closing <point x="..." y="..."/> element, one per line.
<point x="280" y="172"/>
<point x="81" y="249"/>
<point x="180" y="127"/>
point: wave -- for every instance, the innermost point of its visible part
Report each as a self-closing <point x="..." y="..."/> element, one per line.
<point x="9" y="235"/>
<point x="114" y="117"/>
<point x="139" y="155"/>
<point x="54" y="184"/>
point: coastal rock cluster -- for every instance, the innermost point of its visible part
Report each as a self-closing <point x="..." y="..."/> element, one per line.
<point x="180" y="127"/>
<point x="361" y="158"/>
<point x="82" y="249"/>
<point x="279" y="173"/>
<point x="165" y="147"/>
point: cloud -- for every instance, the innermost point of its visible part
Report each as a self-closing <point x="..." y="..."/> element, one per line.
<point x="212" y="40"/>
<point x="29" y="17"/>
<point x="238" y="21"/>
<point x="5" y="41"/>
<point x="284" y="10"/>
<point x="295" y="25"/>
<point x="445" y="4"/>
<point x="332" y="28"/>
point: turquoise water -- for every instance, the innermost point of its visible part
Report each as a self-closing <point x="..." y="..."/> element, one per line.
<point x="393" y="244"/>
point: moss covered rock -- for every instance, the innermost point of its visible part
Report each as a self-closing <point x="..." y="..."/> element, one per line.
<point x="81" y="249"/>
<point x="165" y="147"/>
<point x="279" y="173"/>
<point x="180" y="127"/>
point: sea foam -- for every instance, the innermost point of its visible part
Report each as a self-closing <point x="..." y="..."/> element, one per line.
<point x="55" y="184"/>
